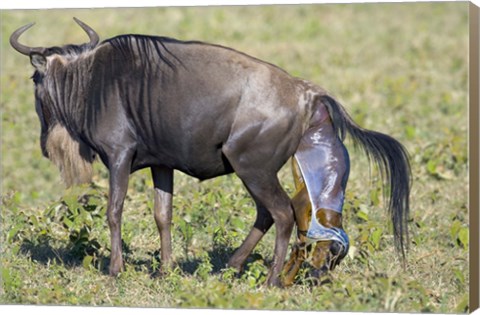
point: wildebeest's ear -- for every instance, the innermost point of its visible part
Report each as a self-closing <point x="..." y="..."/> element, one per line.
<point x="39" y="62"/>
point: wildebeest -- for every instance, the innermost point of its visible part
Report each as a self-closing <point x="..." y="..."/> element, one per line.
<point x="206" y="110"/>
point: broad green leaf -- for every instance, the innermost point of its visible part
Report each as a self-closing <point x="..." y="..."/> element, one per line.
<point x="463" y="237"/>
<point x="456" y="225"/>
<point x="238" y="223"/>
<point x="362" y="215"/>
<point x="432" y="167"/>
<point x="68" y="222"/>
<point x="87" y="262"/>
<point x="13" y="232"/>
<point x="375" y="237"/>
<point x="71" y="200"/>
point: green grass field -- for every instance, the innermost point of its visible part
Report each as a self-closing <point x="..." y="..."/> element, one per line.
<point x="401" y="69"/>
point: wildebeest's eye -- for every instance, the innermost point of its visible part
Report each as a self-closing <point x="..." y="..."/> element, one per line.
<point x="37" y="77"/>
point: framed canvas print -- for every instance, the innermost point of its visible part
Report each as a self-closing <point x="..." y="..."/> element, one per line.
<point x="299" y="157"/>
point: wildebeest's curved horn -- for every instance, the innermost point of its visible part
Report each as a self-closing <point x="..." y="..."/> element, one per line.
<point x="91" y="33"/>
<point x="24" y="50"/>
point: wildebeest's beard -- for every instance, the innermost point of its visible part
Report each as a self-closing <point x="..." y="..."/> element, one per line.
<point x="72" y="156"/>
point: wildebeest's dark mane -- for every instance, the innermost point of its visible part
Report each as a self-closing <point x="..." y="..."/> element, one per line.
<point x="124" y="42"/>
<point x="67" y="50"/>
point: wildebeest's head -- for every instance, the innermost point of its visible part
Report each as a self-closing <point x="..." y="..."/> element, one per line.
<point x="58" y="143"/>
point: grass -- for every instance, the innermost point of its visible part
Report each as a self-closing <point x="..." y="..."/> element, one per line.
<point x="400" y="69"/>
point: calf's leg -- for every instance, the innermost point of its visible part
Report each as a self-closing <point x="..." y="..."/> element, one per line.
<point x="320" y="169"/>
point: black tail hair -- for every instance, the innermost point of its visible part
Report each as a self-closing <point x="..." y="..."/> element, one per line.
<point x="392" y="160"/>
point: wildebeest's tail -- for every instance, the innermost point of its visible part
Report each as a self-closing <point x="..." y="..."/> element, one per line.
<point x="392" y="159"/>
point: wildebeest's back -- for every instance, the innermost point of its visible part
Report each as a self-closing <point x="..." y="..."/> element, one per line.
<point x="185" y="100"/>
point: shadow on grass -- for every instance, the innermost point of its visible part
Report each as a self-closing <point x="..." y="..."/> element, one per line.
<point x="218" y="257"/>
<point x="70" y="256"/>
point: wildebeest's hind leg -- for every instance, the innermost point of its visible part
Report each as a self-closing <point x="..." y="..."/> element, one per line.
<point x="269" y="196"/>
<point x="262" y="224"/>
<point x="163" y="185"/>
<point x="269" y="193"/>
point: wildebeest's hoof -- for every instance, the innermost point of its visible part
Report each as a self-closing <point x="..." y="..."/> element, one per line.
<point x="275" y="282"/>
<point x="114" y="271"/>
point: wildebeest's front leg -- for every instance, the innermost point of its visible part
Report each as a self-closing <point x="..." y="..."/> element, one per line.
<point x="163" y="182"/>
<point x="119" y="173"/>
